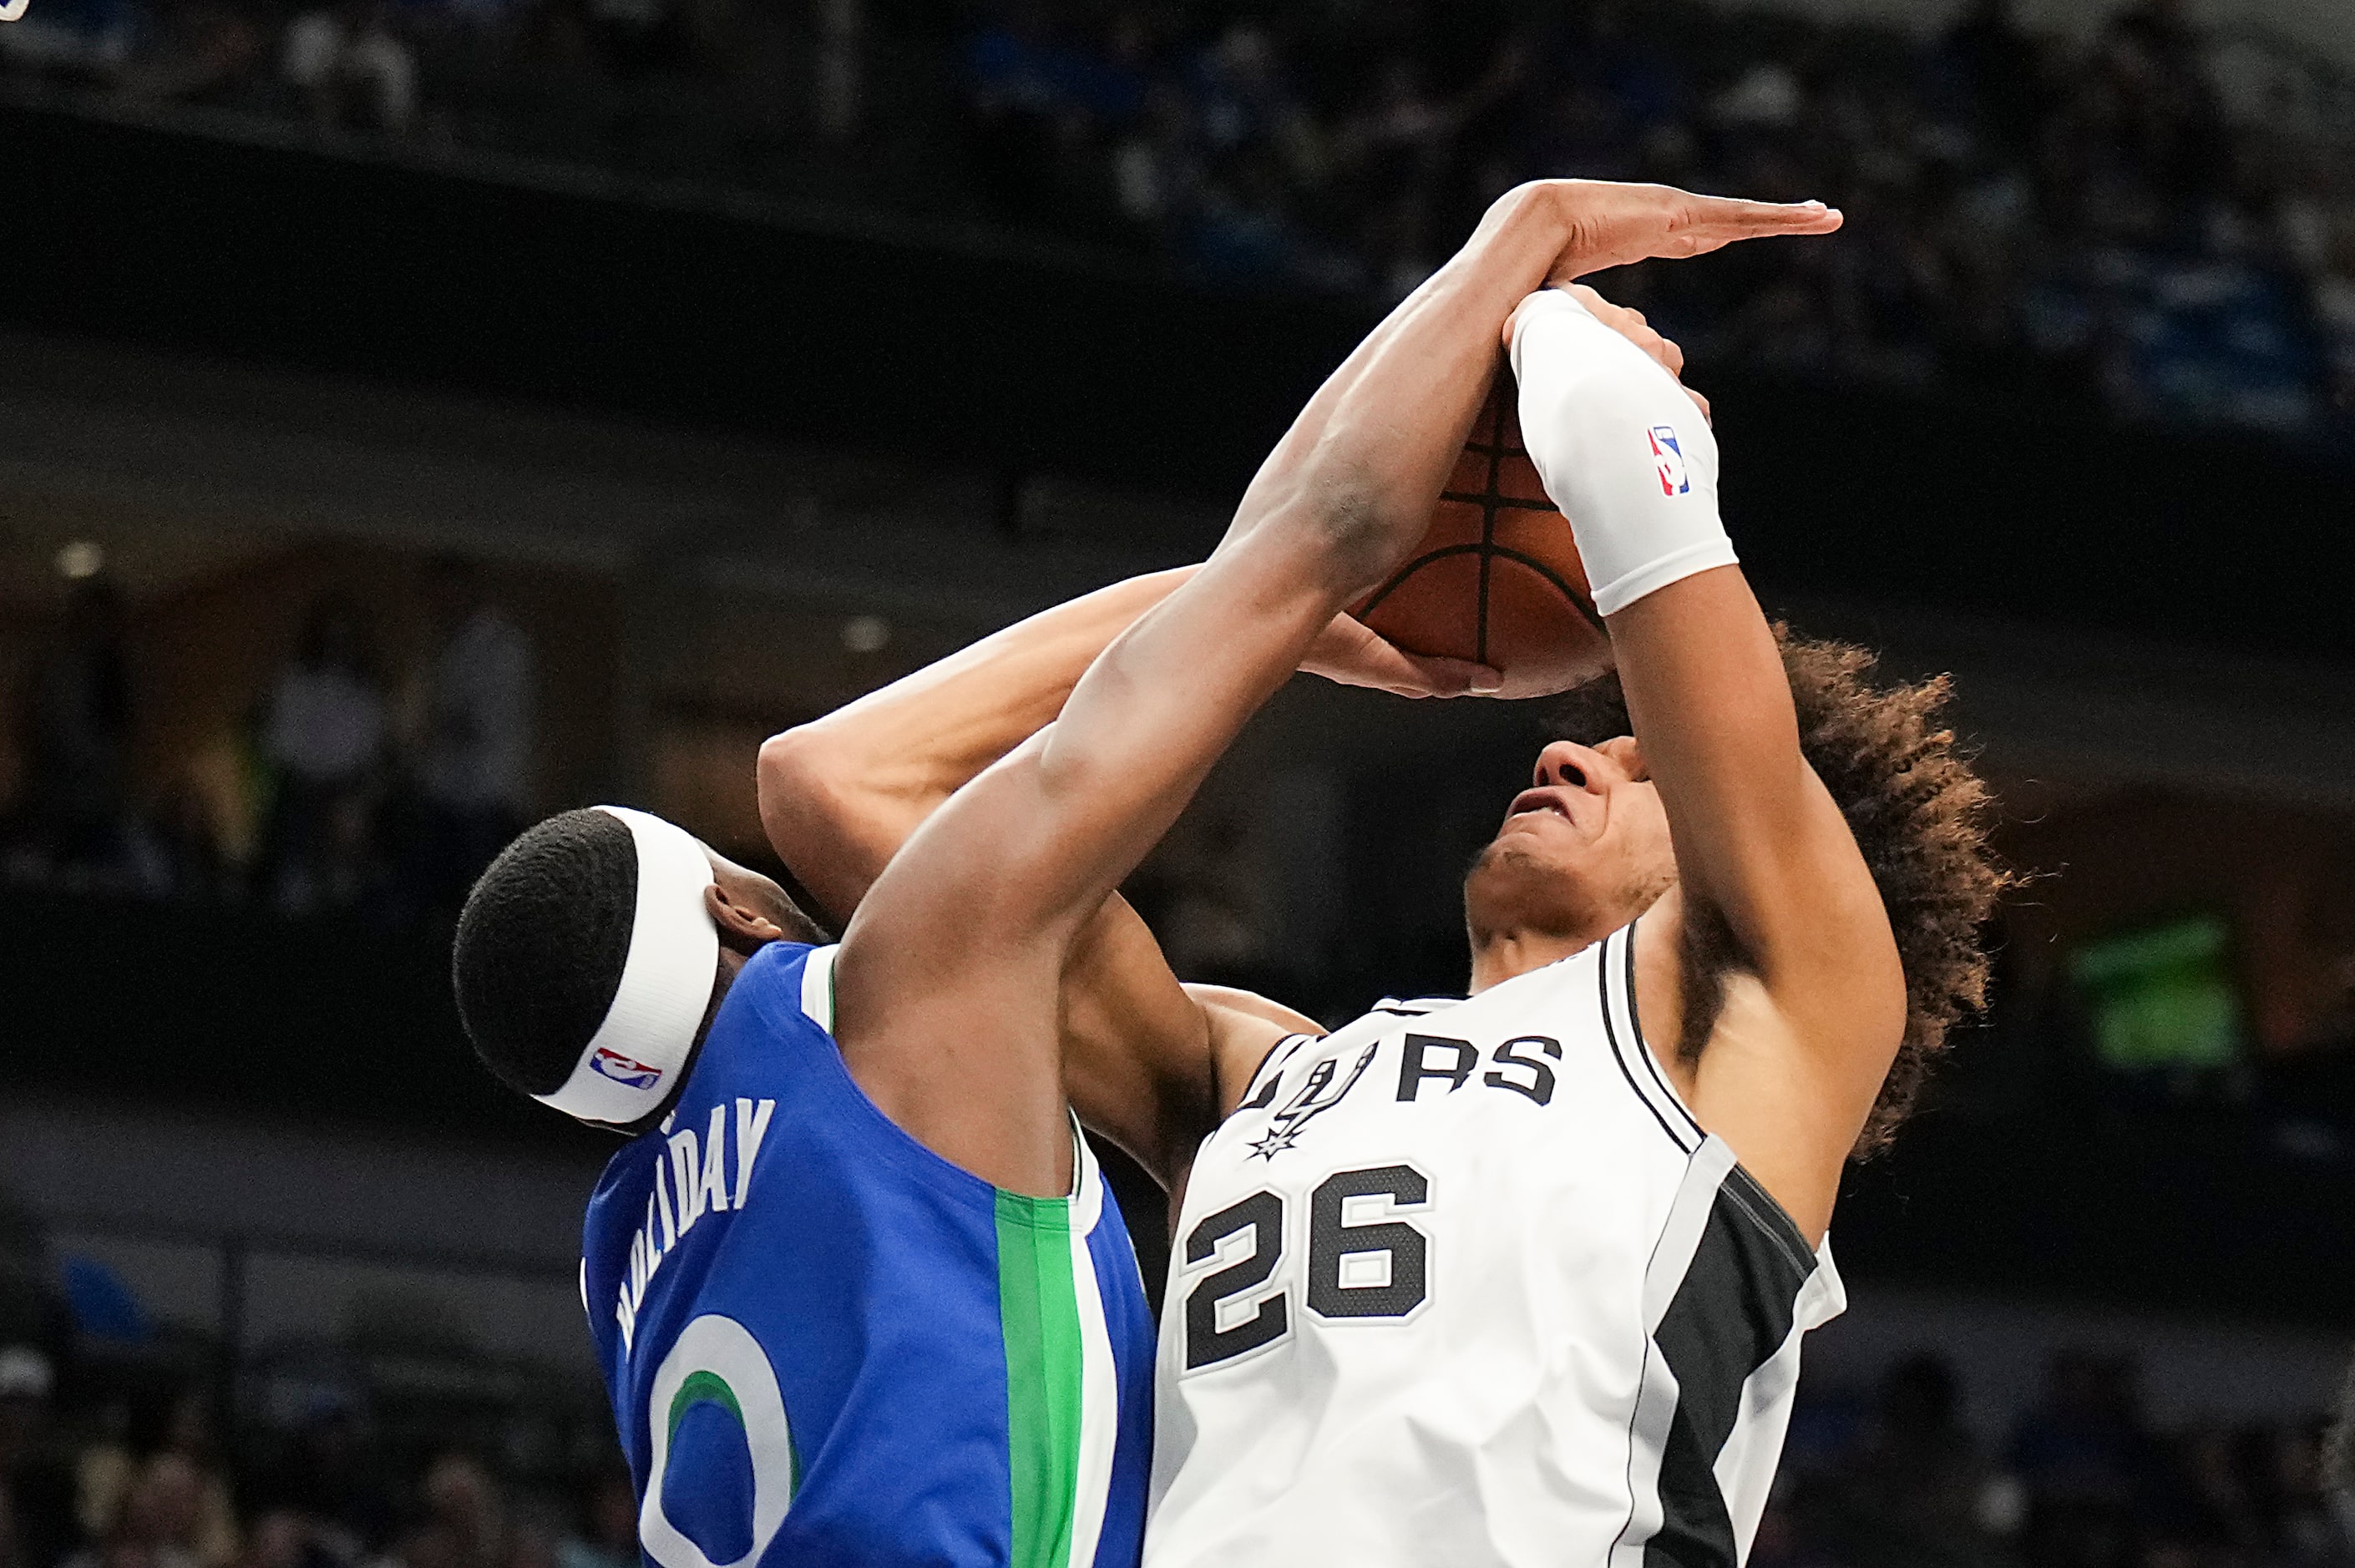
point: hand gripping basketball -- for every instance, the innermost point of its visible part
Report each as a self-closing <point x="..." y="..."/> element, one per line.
<point x="1629" y="323"/>
<point x="1497" y="581"/>
<point x="1619" y="450"/>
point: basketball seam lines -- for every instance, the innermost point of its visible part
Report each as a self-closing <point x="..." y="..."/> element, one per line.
<point x="1501" y="502"/>
<point x="1491" y="503"/>
<point x="1503" y="552"/>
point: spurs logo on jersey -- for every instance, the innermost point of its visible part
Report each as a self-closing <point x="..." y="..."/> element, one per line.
<point x="1311" y="1100"/>
<point x="1465" y="1283"/>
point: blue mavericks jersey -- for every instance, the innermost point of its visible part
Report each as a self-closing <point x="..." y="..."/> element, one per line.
<point x="828" y="1346"/>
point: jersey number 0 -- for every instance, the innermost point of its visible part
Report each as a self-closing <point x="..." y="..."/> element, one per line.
<point x="1378" y="1268"/>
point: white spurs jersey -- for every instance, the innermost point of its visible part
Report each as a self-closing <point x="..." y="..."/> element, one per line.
<point x="1464" y="1284"/>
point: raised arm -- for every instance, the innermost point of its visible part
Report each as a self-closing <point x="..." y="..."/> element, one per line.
<point x="1774" y="948"/>
<point x="947" y="1003"/>
<point x="1147" y="1062"/>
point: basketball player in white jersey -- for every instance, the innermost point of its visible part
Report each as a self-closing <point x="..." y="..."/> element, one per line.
<point x="1467" y="1281"/>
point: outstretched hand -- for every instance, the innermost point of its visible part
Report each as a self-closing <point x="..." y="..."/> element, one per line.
<point x="1611" y="224"/>
<point x="1348" y="654"/>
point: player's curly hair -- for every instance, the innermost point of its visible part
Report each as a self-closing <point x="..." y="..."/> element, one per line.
<point x="1919" y="813"/>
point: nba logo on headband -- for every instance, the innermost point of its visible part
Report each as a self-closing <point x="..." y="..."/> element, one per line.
<point x="611" y="1063"/>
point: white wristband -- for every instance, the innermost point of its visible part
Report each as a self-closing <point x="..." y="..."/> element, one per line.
<point x="1623" y="452"/>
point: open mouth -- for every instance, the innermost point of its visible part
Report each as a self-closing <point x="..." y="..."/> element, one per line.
<point x="1530" y="800"/>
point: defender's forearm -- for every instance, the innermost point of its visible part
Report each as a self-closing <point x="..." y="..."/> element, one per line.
<point x="839" y="795"/>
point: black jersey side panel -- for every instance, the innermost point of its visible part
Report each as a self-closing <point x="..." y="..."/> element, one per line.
<point x="1733" y="1311"/>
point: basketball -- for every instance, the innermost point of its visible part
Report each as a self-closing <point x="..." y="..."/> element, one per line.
<point x="1496" y="580"/>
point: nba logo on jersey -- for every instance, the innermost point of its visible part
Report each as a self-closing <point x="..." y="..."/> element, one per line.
<point x="621" y="1070"/>
<point x="12" y="9"/>
<point x="1668" y="458"/>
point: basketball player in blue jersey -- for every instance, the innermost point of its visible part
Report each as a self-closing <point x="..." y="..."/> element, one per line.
<point x="860" y="1293"/>
<point x="1517" y="1278"/>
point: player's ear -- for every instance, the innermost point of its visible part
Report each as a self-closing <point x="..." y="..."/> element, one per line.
<point x="743" y="927"/>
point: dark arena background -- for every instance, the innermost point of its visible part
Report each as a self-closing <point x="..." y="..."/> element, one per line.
<point x="637" y="378"/>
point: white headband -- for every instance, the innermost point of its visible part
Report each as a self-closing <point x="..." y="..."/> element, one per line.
<point x="632" y="1063"/>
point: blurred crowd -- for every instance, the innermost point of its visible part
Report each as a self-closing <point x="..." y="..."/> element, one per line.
<point x="1892" y="1479"/>
<point x="2159" y="217"/>
<point x="353" y="788"/>
<point x="145" y="1479"/>
<point x="2082" y="1480"/>
<point x="725" y="92"/>
<point x="2156" y="217"/>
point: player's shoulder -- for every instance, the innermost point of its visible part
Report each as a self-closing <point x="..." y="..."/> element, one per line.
<point x="784" y="984"/>
<point x="777" y="1013"/>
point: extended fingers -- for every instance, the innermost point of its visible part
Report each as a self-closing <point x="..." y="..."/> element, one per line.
<point x="1610" y="224"/>
<point x="1738" y="219"/>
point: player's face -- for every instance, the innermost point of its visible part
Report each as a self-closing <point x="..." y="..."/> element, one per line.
<point x="1582" y="850"/>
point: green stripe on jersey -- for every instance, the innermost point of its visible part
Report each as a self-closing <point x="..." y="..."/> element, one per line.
<point x="698" y="1388"/>
<point x="711" y="1388"/>
<point x="1038" y="1305"/>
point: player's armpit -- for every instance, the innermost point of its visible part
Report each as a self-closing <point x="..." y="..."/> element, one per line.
<point x="1788" y="1109"/>
<point x="1756" y="834"/>
<point x="1760" y="841"/>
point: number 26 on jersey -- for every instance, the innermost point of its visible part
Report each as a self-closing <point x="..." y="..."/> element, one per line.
<point x="1359" y="1257"/>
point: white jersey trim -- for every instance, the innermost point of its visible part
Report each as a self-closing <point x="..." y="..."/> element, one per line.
<point x="817" y="987"/>
<point x="1615" y="976"/>
<point x="1099" y="1375"/>
<point x="1732" y="1283"/>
